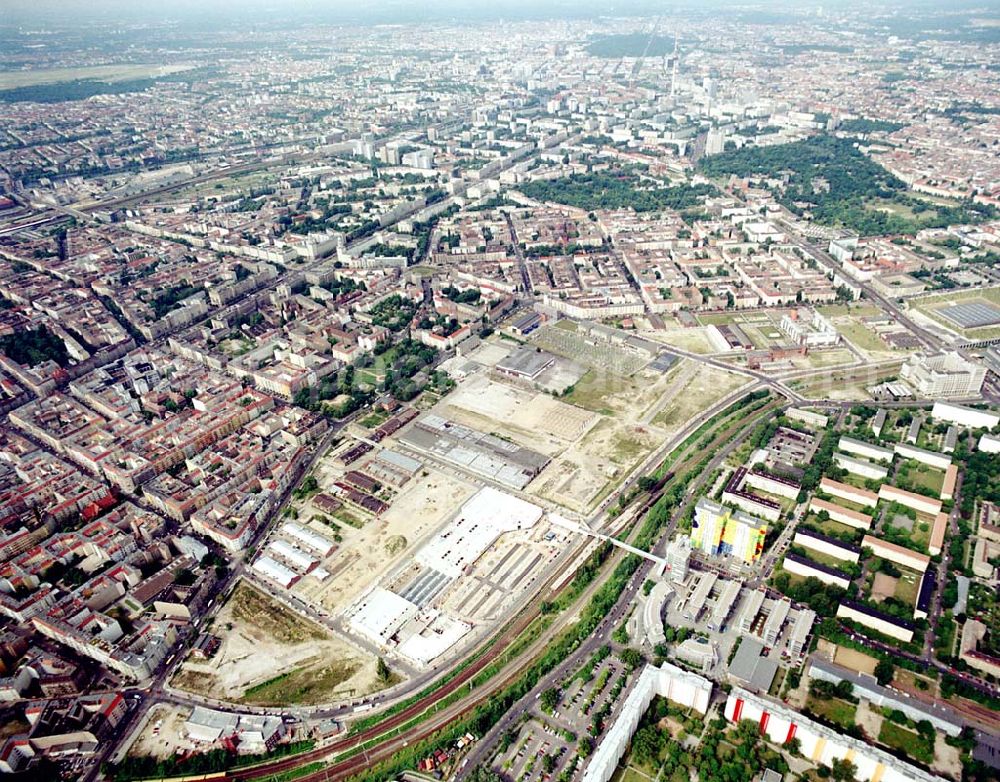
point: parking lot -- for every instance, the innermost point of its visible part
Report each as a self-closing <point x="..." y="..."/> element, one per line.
<point x="539" y="752"/>
<point x="546" y="745"/>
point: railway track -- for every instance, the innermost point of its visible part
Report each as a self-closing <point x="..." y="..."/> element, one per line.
<point x="360" y="761"/>
<point x="498" y="648"/>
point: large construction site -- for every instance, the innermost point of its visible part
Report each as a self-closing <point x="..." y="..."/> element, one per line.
<point x="420" y="531"/>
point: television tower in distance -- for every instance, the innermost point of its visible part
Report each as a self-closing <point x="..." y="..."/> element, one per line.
<point x="673" y="73"/>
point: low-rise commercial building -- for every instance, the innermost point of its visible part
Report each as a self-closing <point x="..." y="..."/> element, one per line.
<point x="751" y="668"/>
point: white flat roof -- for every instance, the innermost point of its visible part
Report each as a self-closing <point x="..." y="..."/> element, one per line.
<point x="294" y="555"/>
<point x="435" y="639"/>
<point x="380" y="613"/>
<point x="484" y="518"/>
<point x="275" y="571"/>
<point x="312" y="539"/>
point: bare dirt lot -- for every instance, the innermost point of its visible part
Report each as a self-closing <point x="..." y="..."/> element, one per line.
<point x="692" y="339"/>
<point x="532" y="418"/>
<point x="364" y="554"/>
<point x="846" y="384"/>
<point x="639" y="412"/>
<point x="601" y="430"/>
<point x="884" y="586"/>
<point x="270" y="656"/>
<point x="855" y="660"/>
<point x="705" y="387"/>
<point x="580" y="477"/>
<point x="163" y="737"/>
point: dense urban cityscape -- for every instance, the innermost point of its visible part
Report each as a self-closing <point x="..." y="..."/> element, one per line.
<point x="510" y="394"/>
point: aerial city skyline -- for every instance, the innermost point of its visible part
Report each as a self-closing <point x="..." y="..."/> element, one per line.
<point x="520" y="392"/>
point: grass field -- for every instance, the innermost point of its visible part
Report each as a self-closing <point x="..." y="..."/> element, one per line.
<point x="854" y="480"/>
<point x="824" y="559"/>
<point x="629" y="774"/>
<point x="252" y="606"/>
<point x="706" y="387"/>
<point x="907" y="587"/>
<point x="377" y="418"/>
<point x="883" y="205"/>
<point x="858" y="310"/>
<point x="794" y="579"/>
<point x="919" y="475"/>
<point x="593" y="389"/>
<point x="718" y="318"/>
<point x="851" y="505"/>
<point x="307" y="684"/>
<point x="760" y="336"/>
<point x="907" y="741"/>
<point x="344" y="515"/>
<point x="834" y="709"/>
<point x="861" y="336"/>
<point x="626" y="449"/>
<point x="831" y="527"/>
<point x="692" y="339"/>
<point x="829" y="358"/>
<point x="107" y="73"/>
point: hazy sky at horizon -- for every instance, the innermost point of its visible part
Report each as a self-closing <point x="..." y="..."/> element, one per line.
<point x="15" y="11"/>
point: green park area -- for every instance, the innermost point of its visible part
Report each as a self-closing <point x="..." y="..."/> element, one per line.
<point x="831" y="179"/>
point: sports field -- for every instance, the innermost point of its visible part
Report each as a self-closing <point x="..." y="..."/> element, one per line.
<point x="973" y="314"/>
